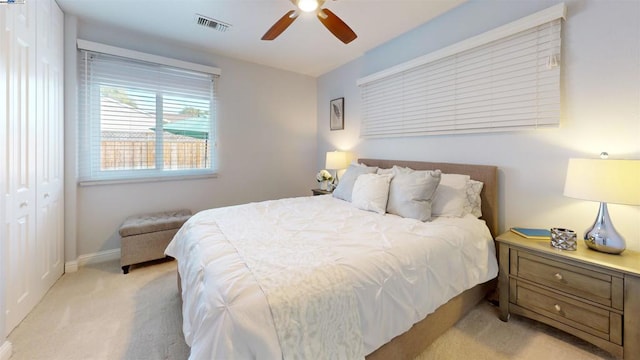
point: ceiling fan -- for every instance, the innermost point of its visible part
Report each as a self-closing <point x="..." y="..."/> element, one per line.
<point x="332" y="22"/>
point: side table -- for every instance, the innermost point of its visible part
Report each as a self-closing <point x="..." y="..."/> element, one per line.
<point x="320" y="192"/>
<point x="592" y="295"/>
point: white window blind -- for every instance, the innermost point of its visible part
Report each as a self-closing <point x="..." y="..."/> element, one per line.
<point x="506" y="83"/>
<point x="141" y="120"/>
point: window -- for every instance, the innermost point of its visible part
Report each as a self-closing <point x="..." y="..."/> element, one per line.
<point x="142" y="120"/>
<point x="505" y="79"/>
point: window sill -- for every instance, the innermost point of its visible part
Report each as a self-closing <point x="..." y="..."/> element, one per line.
<point x="146" y="180"/>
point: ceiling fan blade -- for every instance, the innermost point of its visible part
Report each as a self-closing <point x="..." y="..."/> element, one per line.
<point x="280" y="25"/>
<point x="337" y="27"/>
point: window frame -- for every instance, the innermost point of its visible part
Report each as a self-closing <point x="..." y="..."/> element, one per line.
<point x="88" y="173"/>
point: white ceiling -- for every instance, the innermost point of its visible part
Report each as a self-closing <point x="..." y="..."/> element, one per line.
<point x="306" y="47"/>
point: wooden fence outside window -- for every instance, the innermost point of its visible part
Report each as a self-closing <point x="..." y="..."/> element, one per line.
<point x="125" y="152"/>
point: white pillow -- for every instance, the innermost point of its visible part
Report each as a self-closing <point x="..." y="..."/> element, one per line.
<point x="371" y="191"/>
<point x="411" y="191"/>
<point x="473" y="204"/>
<point x="450" y="195"/>
<point x="345" y="186"/>
<point x="384" y="171"/>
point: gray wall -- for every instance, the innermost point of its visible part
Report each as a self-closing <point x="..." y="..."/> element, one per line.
<point x="600" y="110"/>
<point x="266" y="145"/>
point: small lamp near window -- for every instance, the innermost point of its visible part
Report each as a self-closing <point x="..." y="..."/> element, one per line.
<point x="335" y="160"/>
<point x="606" y="181"/>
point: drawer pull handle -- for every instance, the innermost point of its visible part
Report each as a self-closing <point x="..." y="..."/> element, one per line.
<point x="24" y="204"/>
<point x="558" y="276"/>
<point x="557" y="307"/>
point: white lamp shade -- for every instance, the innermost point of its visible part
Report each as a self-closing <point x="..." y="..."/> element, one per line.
<point x="610" y="181"/>
<point x="336" y="160"/>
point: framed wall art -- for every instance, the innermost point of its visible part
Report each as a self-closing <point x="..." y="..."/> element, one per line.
<point x="336" y="111"/>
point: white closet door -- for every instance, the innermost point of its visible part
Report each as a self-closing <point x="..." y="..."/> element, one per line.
<point x="33" y="194"/>
<point x="20" y="196"/>
<point x="49" y="257"/>
<point x="4" y="114"/>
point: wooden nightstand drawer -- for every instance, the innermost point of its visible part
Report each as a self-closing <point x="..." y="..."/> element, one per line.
<point x="579" y="315"/>
<point x="599" y="287"/>
<point x="589" y="294"/>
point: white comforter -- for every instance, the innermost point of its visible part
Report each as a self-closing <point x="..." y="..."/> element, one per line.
<point x="315" y="277"/>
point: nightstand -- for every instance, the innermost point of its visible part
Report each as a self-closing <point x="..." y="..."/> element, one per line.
<point x="320" y="192"/>
<point x="592" y="295"/>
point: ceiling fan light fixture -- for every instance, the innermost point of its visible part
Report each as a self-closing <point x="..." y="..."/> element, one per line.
<point x="308" y="5"/>
<point x="330" y="20"/>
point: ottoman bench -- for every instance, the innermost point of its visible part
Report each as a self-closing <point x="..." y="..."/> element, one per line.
<point x="144" y="237"/>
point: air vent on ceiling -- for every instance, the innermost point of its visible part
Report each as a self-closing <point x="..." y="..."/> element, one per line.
<point x="212" y="23"/>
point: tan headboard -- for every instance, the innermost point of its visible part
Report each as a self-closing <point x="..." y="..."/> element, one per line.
<point x="488" y="174"/>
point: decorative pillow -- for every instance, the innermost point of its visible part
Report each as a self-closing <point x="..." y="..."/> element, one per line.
<point x="371" y="191"/>
<point x="473" y="204"/>
<point x="345" y="186"/>
<point x="410" y="193"/>
<point x="450" y="196"/>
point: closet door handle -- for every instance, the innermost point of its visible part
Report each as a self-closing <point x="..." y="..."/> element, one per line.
<point x="24" y="204"/>
<point x="46" y="195"/>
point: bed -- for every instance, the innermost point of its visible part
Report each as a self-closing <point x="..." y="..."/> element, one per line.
<point x="364" y="283"/>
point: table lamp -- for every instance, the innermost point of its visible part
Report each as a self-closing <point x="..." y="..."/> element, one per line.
<point x="606" y="181"/>
<point x="335" y="160"/>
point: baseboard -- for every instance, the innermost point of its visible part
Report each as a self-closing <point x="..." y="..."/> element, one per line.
<point x="94" y="258"/>
<point x="71" y="266"/>
<point x="5" y="351"/>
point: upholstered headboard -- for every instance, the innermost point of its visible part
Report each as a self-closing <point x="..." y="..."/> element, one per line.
<point x="488" y="174"/>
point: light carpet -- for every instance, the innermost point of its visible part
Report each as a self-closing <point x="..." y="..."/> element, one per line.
<point x="99" y="313"/>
